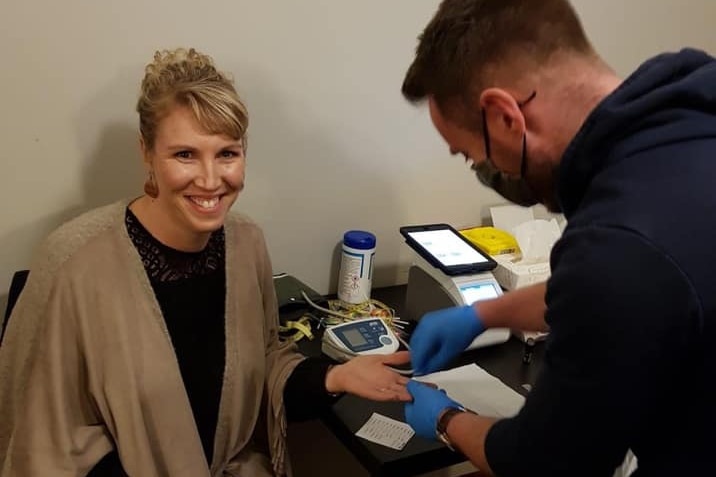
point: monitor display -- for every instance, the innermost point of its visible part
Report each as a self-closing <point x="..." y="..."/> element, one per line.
<point x="354" y="337"/>
<point x="477" y="292"/>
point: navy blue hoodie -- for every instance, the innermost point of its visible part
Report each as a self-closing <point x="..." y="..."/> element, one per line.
<point x="631" y="303"/>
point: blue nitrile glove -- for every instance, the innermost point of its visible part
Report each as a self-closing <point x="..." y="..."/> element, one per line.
<point x="442" y="335"/>
<point x="422" y="414"/>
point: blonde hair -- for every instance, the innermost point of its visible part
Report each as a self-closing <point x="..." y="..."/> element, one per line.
<point x="189" y="78"/>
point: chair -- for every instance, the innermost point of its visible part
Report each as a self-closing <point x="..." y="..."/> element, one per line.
<point x="16" y="286"/>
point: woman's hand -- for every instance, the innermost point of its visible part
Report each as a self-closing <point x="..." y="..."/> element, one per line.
<point x="368" y="376"/>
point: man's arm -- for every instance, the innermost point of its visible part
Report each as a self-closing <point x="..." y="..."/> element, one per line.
<point x="467" y="432"/>
<point x="443" y="334"/>
<point x="614" y="340"/>
<point x="521" y="309"/>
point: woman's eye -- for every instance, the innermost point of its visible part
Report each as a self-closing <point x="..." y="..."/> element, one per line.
<point x="183" y="155"/>
<point x="229" y="154"/>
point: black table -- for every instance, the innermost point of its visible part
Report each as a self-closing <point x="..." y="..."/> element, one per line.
<point x="419" y="455"/>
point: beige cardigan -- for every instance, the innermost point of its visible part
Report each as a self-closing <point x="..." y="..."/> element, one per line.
<point x="87" y="363"/>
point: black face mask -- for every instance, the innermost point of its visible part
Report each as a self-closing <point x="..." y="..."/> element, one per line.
<point x="515" y="190"/>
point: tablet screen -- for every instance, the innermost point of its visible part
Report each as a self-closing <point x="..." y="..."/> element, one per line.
<point x="448" y="248"/>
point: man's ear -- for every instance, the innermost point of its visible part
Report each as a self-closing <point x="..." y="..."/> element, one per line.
<point x="502" y="112"/>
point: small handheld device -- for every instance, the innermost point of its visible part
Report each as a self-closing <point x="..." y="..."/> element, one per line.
<point x="364" y="336"/>
<point x="445" y="248"/>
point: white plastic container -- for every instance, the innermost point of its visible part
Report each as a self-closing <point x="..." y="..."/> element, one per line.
<point x="356" y="273"/>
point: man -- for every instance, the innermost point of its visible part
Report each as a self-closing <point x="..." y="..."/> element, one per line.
<point x="516" y="87"/>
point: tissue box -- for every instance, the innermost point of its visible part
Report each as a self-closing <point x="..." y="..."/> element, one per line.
<point x="512" y="271"/>
<point x="511" y="274"/>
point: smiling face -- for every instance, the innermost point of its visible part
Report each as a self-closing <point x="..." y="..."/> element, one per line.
<point x="198" y="175"/>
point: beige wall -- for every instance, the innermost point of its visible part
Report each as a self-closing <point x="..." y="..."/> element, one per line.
<point x="333" y="144"/>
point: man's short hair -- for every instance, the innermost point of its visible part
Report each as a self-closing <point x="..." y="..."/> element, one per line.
<point x="467" y="37"/>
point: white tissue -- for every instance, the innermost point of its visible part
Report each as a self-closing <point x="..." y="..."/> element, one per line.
<point x="535" y="239"/>
<point x="534" y="236"/>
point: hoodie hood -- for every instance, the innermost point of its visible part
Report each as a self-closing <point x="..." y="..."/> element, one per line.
<point x="670" y="98"/>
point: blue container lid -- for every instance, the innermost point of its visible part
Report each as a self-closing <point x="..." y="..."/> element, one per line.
<point x="359" y="239"/>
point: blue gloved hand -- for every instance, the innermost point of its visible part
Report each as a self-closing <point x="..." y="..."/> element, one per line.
<point x="428" y="403"/>
<point x="442" y="335"/>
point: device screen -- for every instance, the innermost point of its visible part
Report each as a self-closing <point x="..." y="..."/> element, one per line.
<point x="354" y="337"/>
<point x="477" y="292"/>
<point x="447" y="247"/>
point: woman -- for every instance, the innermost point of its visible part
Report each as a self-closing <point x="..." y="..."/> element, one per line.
<point x="146" y="337"/>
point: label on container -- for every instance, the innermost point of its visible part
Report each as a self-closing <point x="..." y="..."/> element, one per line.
<point x="356" y="274"/>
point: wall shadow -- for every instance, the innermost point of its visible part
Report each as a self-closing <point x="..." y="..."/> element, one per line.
<point x="108" y="134"/>
<point x="113" y="170"/>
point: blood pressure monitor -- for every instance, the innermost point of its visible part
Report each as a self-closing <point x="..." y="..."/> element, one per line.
<point x="363" y="336"/>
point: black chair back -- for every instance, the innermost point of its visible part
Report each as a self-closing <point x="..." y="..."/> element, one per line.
<point x="16" y="286"/>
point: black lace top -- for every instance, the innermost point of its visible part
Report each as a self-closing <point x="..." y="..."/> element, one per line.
<point x="191" y="288"/>
<point x="165" y="264"/>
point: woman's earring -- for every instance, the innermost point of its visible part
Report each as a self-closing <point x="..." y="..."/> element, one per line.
<point x="150" y="186"/>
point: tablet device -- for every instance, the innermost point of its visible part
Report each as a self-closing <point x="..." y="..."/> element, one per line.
<point x="445" y="248"/>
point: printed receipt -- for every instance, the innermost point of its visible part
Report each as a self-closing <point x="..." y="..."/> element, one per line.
<point x="386" y="431"/>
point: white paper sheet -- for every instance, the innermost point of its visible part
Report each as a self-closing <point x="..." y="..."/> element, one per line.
<point x="476" y="389"/>
<point x="386" y="431"/>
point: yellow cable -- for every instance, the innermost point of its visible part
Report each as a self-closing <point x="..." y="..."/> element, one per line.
<point x="302" y="328"/>
<point x="339" y="311"/>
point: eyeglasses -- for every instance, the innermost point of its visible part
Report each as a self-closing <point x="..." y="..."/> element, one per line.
<point x="486" y="135"/>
